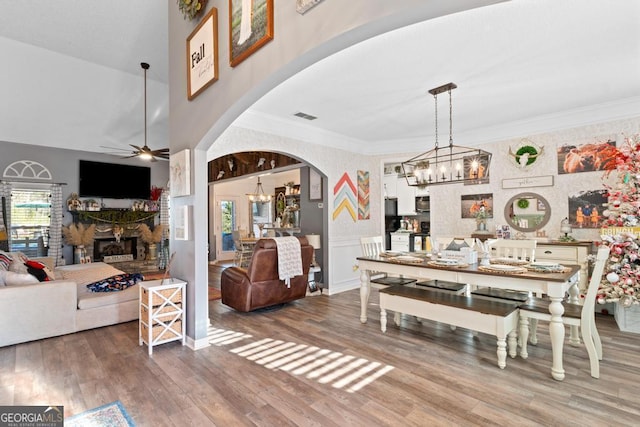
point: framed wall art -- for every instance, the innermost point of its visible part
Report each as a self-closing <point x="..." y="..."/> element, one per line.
<point x="180" y="173"/>
<point x="315" y="186"/>
<point x="471" y="204"/>
<point x="586" y="207"/>
<point x="575" y="158"/>
<point x="250" y="28"/>
<point x="202" y="55"/>
<point x="181" y="225"/>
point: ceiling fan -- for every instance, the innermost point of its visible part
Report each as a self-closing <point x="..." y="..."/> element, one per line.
<point x="145" y="152"/>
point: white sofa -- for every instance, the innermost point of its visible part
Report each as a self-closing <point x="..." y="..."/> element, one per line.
<point x="62" y="306"/>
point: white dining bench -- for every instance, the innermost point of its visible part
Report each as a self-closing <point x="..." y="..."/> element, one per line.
<point x="496" y="318"/>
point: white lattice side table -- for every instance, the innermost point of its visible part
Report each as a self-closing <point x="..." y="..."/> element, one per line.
<point x="162" y="308"/>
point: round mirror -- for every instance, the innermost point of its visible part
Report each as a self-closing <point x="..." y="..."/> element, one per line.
<point x="527" y="212"/>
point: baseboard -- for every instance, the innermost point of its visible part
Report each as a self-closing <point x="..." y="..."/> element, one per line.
<point x="345" y="286"/>
<point x="197" y="344"/>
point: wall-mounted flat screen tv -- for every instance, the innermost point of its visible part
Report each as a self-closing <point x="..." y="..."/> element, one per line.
<point x="114" y="181"/>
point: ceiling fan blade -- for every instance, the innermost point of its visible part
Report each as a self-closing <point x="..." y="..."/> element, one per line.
<point x="115" y="148"/>
<point x="136" y="147"/>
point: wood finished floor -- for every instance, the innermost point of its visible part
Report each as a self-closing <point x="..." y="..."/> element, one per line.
<point x="313" y="363"/>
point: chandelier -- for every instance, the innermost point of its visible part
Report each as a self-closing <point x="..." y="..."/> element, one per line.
<point x="259" y="195"/>
<point x="450" y="164"/>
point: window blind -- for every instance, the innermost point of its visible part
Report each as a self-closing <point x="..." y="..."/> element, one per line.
<point x="30" y="221"/>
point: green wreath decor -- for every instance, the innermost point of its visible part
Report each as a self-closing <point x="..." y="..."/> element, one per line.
<point x="191" y="8"/>
<point x="533" y="152"/>
<point x="523" y="203"/>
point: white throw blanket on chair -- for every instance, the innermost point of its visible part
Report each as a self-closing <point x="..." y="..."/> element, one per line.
<point x="289" y="258"/>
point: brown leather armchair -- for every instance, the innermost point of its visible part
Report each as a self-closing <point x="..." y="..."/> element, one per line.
<point x="258" y="286"/>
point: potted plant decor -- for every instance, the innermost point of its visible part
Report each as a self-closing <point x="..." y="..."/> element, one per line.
<point x="79" y="236"/>
<point x="151" y="238"/>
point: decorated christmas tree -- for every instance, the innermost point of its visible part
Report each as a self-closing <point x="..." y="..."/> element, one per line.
<point x="621" y="281"/>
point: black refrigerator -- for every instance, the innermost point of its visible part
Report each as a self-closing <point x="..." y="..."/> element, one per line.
<point x="391" y="220"/>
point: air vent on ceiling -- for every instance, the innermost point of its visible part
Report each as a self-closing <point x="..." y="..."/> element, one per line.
<point x="305" y="116"/>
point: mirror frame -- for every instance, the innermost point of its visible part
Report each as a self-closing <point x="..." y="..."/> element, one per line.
<point x="512" y="224"/>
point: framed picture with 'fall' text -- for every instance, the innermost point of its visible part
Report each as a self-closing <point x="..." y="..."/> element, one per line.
<point x="202" y="55"/>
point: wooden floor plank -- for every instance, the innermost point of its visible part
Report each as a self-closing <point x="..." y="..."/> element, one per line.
<point x="313" y="363"/>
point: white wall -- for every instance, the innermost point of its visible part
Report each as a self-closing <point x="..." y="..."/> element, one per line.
<point x="445" y="200"/>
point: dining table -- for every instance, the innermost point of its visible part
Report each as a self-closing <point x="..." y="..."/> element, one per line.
<point x="554" y="284"/>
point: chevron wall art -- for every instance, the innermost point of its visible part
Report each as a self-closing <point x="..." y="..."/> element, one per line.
<point x="363" y="195"/>
<point x="344" y="197"/>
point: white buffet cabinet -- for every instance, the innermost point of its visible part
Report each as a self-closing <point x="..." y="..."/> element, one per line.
<point x="567" y="253"/>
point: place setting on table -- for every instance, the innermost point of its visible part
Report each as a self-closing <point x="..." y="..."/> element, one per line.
<point x="518" y="266"/>
<point x="498" y="265"/>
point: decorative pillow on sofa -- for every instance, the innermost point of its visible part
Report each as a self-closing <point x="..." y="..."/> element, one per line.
<point x="5" y="261"/>
<point x="18" y="266"/>
<point x="9" y="278"/>
<point x="39" y="270"/>
<point x="118" y="282"/>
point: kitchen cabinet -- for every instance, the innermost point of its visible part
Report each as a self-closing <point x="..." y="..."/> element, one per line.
<point x="424" y="191"/>
<point x="406" y="197"/>
<point x="389" y="183"/>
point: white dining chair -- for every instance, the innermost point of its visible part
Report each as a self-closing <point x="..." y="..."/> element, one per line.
<point x="517" y="250"/>
<point x="582" y="316"/>
<point x="524" y="250"/>
<point x="374" y="246"/>
<point x="243" y="252"/>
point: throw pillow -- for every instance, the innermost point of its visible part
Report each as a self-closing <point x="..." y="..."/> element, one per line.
<point x="17" y="279"/>
<point x="41" y="270"/>
<point x="455" y="246"/>
<point x="5" y="261"/>
<point x="17" y="266"/>
<point x="38" y="273"/>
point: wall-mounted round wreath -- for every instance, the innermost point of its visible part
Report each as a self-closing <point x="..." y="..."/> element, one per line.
<point x="191" y="8"/>
<point x="523" y="203"/>
<point x="528" y="149"/>
<point x="526" y="154"/>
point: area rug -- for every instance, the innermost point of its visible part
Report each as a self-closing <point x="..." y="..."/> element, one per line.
<point x="111" y="414"/>
<point x="214" y="294"/>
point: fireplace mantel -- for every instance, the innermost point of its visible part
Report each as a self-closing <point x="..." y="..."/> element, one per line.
<point x="116" y="216"/>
